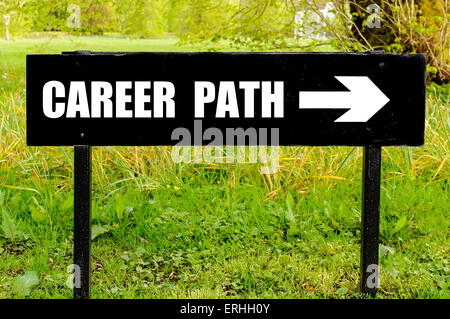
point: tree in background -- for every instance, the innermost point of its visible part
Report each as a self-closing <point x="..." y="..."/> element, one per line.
<point x="395" y="26"/>
<point x="73" y="16"/>
<point x="401" y="26"/>
<point x="251" y="24"/>
<point x="12" y="16"/>
<point x="200" y="20"/>
<point x="142" y="18"/>
<point x="413" y="26"/>
<point x="96" y="17"/>
<point x="48" y="15"/>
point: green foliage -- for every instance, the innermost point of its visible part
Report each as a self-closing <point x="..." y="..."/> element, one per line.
<point x="23" y="284"/>
<point x="406" y="27"/>
<point x="293" y="229"/>
<point x="98" y="230"/>
<point x="13" y="16"/>
<point x="38" y="213"/>
<point x="251" y="24"/>
<point x="254" y="25"/>
<point x="8" y="227"/>
<point x="49" y="15"/>
<point x="142" y="18"/>
<point x="399" y="224"/>
<point x="386" y="260"/>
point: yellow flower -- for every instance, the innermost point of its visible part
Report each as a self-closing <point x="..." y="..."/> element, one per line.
<point x="167" y="186"/>
<point x="176" y="188"/>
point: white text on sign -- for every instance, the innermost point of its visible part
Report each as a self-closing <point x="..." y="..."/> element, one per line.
<point x="146" y="99"/>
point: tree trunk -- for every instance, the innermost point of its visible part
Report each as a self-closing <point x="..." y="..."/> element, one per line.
<point x="6" y="18"/>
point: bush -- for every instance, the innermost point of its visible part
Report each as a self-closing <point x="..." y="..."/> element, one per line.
<point x="412" y="26"/>
<point x="407" y="26"/>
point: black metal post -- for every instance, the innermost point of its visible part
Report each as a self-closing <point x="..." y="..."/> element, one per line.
<point x="370" y="220"/>
<point x="82" y="222"/>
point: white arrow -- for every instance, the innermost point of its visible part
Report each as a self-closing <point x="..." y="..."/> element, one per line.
<point x="364" y="99"/>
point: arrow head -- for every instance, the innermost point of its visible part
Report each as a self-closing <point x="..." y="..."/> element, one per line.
<point x="365" y="100"/>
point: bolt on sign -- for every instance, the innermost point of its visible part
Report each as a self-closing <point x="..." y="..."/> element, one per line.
<point x="85" y="99"/>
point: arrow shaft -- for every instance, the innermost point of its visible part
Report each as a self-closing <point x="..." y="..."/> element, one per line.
<point x="325" y="100"/>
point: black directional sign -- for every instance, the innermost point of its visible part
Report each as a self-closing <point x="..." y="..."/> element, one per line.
<point x="152" y="98"/>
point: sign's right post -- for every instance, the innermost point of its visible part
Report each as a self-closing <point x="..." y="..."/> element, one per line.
<point x="82" y="221"/>
<point x="370" y="219"/>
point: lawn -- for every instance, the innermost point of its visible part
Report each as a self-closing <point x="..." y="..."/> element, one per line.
<point x="166" y="230"/>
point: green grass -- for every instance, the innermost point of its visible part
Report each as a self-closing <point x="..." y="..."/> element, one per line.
<point x="217" y="231"/>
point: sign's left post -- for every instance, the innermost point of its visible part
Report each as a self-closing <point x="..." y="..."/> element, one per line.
<point x="82" y="221"/>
